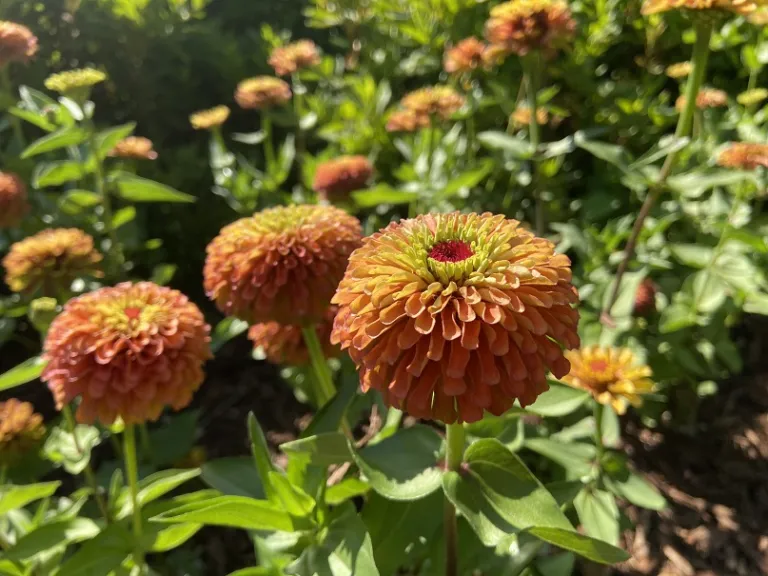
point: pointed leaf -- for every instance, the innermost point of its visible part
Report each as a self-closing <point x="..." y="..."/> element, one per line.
<point x="599" y="514"/>
<point x="69" y="136"/>
<point x="322" y="449"/>
<point x="136" y="189"/>
<point x="13" y="497"/>
<point x="25" y="372"/>
<point x="234" y="476"/>
<point x="559" y="400"/>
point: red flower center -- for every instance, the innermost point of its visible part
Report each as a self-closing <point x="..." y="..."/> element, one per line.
<point x="598" y="365"/>
<point x="132" y="312"/>
<point x="451" y="251"/>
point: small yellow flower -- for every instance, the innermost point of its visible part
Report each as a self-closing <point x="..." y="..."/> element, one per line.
<point x="679" y="70"/>
<point x="51" y="260"/>
<point x="293" y="57"/>
<point x="21" y="430"/>
<point x="262" y="92"/>
<point x="134" y="147"/>
<point x="521" y="26"/>
<point x="73" y="80"/>
<point x="744" y="156"/>
<point x="17" y="43"/>
<point x="741" y="7"/>
<point x="612" y="375"/>
<point x="752" y="97"/>
<point x="207" y="119"/>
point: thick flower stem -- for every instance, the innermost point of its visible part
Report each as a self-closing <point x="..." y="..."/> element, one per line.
<point x="90" y="477"/>
<point x="106" y="202"/>
<point x="298" y="109"/>
<point x="684" y="126"/>
<point x="132" y="472"/>
<point x="454" y="454"/>
<point x="269" y="147"/>
<point x="599" y="446"/>
<point x="325" y="390"/>
<point x="530" y="71"/>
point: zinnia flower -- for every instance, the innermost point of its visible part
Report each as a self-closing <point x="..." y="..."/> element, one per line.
<point x="17" y="43"/>
<point x="262" y="92"/>
<point x="744" y="156"/>
<point x="466" y="56"/>
<point x="522" y="116"/>
<point x="752" y="97"/>
<point x="521" y="26"/>
<point x="336" y="178"/>
<point x="706" y="98"/>
<point x="207" y="119"/>
<point x="742" y="7"/>
<point x="13" y="200"/>
<point x="134" y="147"/>
<point x="611" y="375"/>
<point x="284" y="344"/>
<point x="21" y="430"/>
<point x="74" y="80"/>
<point x="679" y="70"/>
<point x="759" y="17"/>
<point x="406" y="121"/>
<point x="51" y="260"/>
<point x="282" y="264"/>
<point x="449" y="315"/>
<point x="128" y="352"/>
<point x="292" y="57"/>
<point x="645" y="298"/>
<point x="440" y="101"/>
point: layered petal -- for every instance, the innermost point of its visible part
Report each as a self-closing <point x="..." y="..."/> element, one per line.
<point x="21" y="430"/>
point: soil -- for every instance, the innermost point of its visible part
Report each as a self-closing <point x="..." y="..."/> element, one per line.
<point x="715" y="481"/>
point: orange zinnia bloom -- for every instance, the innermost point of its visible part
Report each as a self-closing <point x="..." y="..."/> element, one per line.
<point x="451" y="315"/>
<point x="282" y="264"/>
<point x="336" y="178"/>
<point x="127" y="352"/>
<point x="521" y="26"/>
<point x="437" y="101"/>
<point x="17" y="43"/>
<point x="134" y="147"/>
<point x="406" y="121"/>
<point x="13" y="200"/>
<point x="744" y="155"/>
<point x="293" y="57"/>
<point x="21" y="430"/>
<point x="262" y="92"/>
<point x="466" y="56"/>
<point x="742" y="7"/>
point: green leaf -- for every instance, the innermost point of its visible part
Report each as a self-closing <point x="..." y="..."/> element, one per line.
<point x="397" y="528"/>
<point x="564" y="491"/>
<point x="611" y="153"/>
<point x="57" y="173"/>
<point x="709" y="291"/>
<point x="625" y="302"/>
<point x="162" y="274"/>
<point x="403" y="466"/>
<point x="498" y="495"/>
<point x="25" y="372"/>
<point x="574" y="456"/>
<point x="599" y="514"/>
<point x="595" y="550"/>
<point x="137" y="189"/>
<point x="345" y="551"/>
<point x="74" y="201"/>
<point x="637" y="490"/>
<point x="38" y="119"/>
<point x="50" y="536"/>
<point x="382" y="194"/>
<point x="325" y="449"/>
<point x="611" y="427"/>
<point x="260" y="453"/>
<point x="516" y="147"/>
<point x="175" y="438"/>
<point x="231" y="511"/>
<point x="329" y="416"/>
<point x="153" y="487"/>
<point x="69" y="136"/>
<point x="694" y="184"/>
<point x="251" y="138"/>
<point x="692" y="255"/>
<point x="107" y="139"/>
<point x="346" y="489"/>
<point x="101" y="554"/>
<point x="61" y="447"/>
<point x="13" y="497"/>
<point x="293" y="499"/>
<point x="676" y="317"/>
<point x="234" y="476"/>
<point x="172" y="537"/>
<point x="667" y="146"/>
<point x="123" y="216"/>
<point x="8" y="568"/>
<point x="226" y="330"/>
<point x="466" y="180"/>
<point x="559" y="400"/>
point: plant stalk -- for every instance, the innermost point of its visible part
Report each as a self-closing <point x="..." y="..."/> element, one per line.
<point x="454" y="454"/>
<point x="106" y="203"/>
<point x="530" y="72"/>
<point x="90" y="477"/>
<point x="298" y="101"/>
<point x="132" y="472"/>
<point x="684" y="125"/>
<point x="5" y="85"/>
<point x="269" y="147"/>
<point x="599" y="446"/>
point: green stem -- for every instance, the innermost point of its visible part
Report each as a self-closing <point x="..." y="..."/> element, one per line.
<point x="269" y="147"/>
<point x="454" y="453"/>
<point x="684" y="125"/>
<point x="90" y="477"/>
<point x="298" y="101"/>
<point x="530" y="71"/>
<point x="471" y="130"/>
<point x="106" y="202"/>
<point x="325" y="390"/>
<point x="3" y="474"/>
<point x="599" y="446"/>
<point x="5" y="84"/>
<point x="132" y="471"/>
